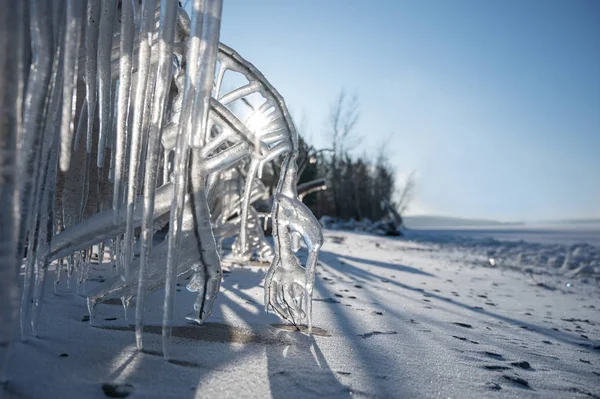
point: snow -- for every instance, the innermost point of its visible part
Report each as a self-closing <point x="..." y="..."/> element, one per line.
<point x="392" y="317"/>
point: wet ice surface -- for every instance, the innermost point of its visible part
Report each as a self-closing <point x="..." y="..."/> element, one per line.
<point x="392" y="318"/>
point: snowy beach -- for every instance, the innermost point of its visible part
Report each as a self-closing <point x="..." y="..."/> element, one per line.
<point x="394" y="317"/>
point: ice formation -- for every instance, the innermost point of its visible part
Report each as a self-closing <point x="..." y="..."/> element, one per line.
<point x="117" y="123"/>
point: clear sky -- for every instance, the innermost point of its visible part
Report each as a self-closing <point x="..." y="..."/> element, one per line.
<point x="496" y="105"/>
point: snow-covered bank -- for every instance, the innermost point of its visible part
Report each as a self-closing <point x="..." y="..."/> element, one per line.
<point x="395" y="318"/>
<point x="570" y="251"/>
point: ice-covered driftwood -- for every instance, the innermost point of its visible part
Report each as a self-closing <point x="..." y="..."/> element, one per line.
<point x="118" y="124"/>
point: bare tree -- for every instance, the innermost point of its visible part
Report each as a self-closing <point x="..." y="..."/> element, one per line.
<point x="406" y="195"/>
<point x="343" y="117"/>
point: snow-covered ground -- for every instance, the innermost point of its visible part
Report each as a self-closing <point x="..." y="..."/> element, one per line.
<point x="572" y="251"/>
<point x="423" y="316"/>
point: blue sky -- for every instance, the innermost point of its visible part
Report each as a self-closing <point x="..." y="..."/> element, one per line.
<point x="496" y="105"/>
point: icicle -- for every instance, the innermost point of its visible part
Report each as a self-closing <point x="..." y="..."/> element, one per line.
<point x="168" y="14"/>
<point x="81" y="126"/>
<point x="40" y="171"/>
<point x="113" y="251"/>
<point x="11" y="96"/>
<point x="125" y="69"/>
<point x="113" y="136"/>
<point x="208" y="61"/>
<point x="101" y="246"/>
<point x="180" y="170"/>
<point x="70" y="64"/>
<point x="79" y="270"/>
<point x="166" y="163"/>
<point x="57" y="274"/>
<point x="246" y="202"/>
<point x="33" y="114"/>
<point x="91" y="65"/>
<point x="45" y="192"/>
<point x="42" y="258"/>
<point x="148" y="106"/>
<point x="207" y="277"/>
<point x="105" y="37"/>
<point x="143" y="64"/>
<point x="70" y="261"/>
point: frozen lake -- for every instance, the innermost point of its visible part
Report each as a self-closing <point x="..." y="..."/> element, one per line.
<point x="563" y="234"/>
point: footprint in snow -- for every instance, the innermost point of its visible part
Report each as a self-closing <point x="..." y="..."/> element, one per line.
<point x="494" y="367"/>
<point x="523" y="383"/>
<point x="465" y="339"/>
<point x="492" y="386"/>
<point x="117" y="390"/>
<point x="493" y="355"/>
<point x="327" y="300"/>
<point x="522" y="365"/>
<point x="465" y="325"/>
<point x="370" y="334"/>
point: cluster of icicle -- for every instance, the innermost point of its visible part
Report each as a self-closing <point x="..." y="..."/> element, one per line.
<point x="114" y="125"/>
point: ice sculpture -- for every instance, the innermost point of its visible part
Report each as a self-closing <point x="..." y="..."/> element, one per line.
<point x="117" y="125"/>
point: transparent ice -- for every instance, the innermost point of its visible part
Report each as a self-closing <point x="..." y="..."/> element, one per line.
<point x="121" y="118"/>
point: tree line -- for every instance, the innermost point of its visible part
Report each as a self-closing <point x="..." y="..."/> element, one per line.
<point x="356" y="184"/>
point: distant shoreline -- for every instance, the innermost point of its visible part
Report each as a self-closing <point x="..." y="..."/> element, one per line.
<point x="447" y="222"/>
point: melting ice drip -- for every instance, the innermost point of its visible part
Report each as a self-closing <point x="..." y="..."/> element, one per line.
<point x="115" y="124"/>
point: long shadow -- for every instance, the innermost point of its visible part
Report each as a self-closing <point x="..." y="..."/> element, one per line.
<point x="367" y="275"/>
<point x="386" y="265"/>
<point x="296" y="366"/>
<point x="364" y="352"/>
